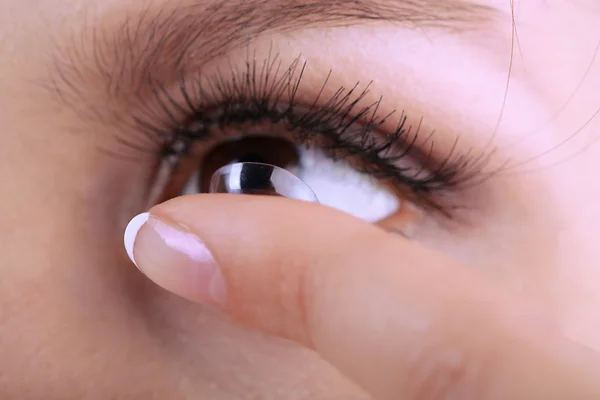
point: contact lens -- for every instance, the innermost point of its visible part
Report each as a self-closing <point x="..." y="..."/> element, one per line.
<point x="260" y="179"/>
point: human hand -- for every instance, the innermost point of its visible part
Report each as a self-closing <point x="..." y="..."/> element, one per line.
<point x="400" y="320"/>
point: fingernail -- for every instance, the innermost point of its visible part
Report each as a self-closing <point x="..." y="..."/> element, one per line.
<point x="175" y="259"/>
<point x="131" y="232"/>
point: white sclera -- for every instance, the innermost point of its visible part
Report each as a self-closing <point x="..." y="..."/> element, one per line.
<point x="340" y="186"/>
<point x="261" y="179"/>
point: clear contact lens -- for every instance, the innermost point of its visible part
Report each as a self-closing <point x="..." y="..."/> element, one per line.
<point x="260" y="179"/>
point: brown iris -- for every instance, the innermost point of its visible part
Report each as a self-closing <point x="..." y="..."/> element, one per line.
<point x="260" y="149"/>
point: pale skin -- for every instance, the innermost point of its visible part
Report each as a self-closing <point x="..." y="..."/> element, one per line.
<point x="77" y="320"/>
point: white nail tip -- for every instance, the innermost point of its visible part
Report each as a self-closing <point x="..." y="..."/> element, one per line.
<point x="131" y="232"/>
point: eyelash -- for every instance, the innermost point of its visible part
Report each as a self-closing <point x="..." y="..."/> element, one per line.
<point x="205" y="105"/>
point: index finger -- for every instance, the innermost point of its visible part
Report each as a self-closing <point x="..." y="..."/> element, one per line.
<point x="400" y="320"/>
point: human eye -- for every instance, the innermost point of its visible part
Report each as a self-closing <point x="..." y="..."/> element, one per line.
<point x="357" y="154"/>
<point x="185" y="102"/>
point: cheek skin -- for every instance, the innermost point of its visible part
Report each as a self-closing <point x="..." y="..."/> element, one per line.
<point x="568" y="82"/>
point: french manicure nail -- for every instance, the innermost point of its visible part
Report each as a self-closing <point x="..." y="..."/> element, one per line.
<point x="176" y="259"/>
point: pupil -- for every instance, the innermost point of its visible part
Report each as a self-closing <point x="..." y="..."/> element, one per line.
<point x="259" y="149"/>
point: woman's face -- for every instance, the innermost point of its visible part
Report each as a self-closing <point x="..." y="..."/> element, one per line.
<point x="97" y="97"/>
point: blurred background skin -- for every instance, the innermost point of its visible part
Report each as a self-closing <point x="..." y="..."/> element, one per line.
<point x="78" y="321"/>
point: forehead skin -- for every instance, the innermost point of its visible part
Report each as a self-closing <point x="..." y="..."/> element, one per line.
<point x="77" y="321"/>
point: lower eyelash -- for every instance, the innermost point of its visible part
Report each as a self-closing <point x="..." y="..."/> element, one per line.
<point x="338" y="126"/>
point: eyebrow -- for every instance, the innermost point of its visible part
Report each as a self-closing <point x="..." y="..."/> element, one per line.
<point x="117" y="58"/>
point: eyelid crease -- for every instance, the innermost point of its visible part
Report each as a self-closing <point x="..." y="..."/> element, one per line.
<point x="104" y="68"/>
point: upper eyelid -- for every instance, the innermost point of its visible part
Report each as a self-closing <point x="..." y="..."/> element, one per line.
<point x="104" y="69"/>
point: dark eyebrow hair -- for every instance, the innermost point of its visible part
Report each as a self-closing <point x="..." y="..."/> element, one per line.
<point x="117" y="58"/>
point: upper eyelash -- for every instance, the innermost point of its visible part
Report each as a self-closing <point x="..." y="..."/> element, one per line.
<point x="344" y="129"/>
